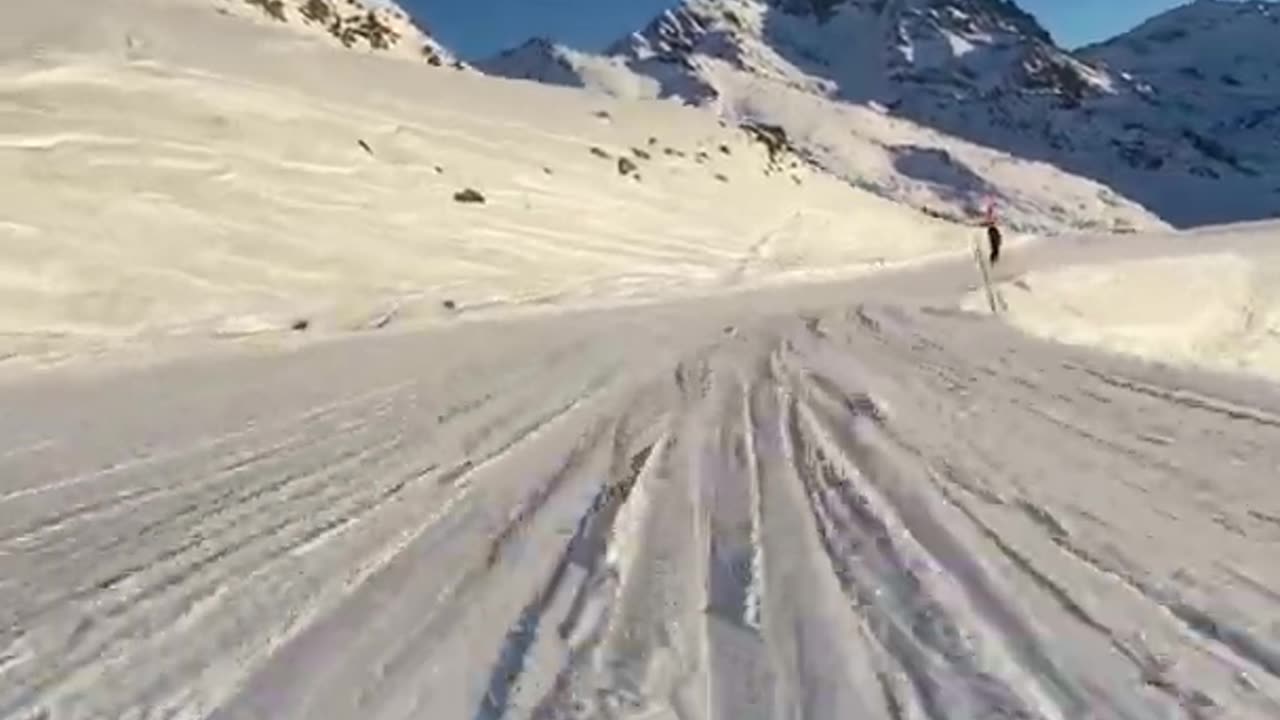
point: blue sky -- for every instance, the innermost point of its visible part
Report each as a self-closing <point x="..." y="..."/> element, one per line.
<point x="477" y="28"/>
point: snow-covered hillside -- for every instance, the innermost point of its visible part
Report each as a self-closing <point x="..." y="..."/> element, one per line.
<point x="380" y="26"/>
<point x="720" y="55"/>
<point x="1212" y="70"/>
<point x="171" y="170"/>
<point x="1203" y="52"/>
<point x="545" y="61"/>
<point x="819" y="503"/>
<point x="980" y="70"/>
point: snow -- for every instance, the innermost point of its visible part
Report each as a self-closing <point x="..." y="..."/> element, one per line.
<point x="1216" y="63"/>
<point x="1219" y="310"/>
<point x="685" y="446"/>
<point x="851" y="498"/>
<point x="547" y="62"/>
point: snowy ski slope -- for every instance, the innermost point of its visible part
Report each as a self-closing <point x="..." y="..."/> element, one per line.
<point x="851" y="500"/>
<point x="784" y="486"/>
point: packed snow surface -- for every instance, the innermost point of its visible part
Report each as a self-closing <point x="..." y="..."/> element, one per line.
<point x="854" y="500"/>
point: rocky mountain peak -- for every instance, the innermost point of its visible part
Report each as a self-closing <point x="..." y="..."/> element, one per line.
<point x="379" y="26"/>
<point x="871" y="49"/>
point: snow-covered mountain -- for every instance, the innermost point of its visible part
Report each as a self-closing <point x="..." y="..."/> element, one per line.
<point x="847" y="49"/>
<point x="868" y="49"/>
<point x="1214" y="66"/>
<point x="545" y="61"/>
<point x="979" y="70"/>
<point x="1207" y="47"/>
<point x="1208" y="77"/>
<point x="832" y="78"/>
<point x="380" y="26"/>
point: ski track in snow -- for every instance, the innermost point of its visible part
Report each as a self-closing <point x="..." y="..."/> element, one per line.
<point x="823" y="507"/>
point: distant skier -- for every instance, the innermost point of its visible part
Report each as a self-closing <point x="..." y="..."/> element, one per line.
<point x="994" y="238"/>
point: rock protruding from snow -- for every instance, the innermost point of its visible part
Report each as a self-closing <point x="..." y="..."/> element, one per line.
<point x="374" y="25"/>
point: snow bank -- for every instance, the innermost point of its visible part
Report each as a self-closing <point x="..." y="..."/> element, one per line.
<point x="1219" y="310"/>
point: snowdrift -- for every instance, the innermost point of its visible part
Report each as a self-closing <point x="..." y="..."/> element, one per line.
<point x="1220" y="310"/>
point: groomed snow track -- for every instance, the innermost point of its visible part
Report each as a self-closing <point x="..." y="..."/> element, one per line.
<point x="769" y="507"/>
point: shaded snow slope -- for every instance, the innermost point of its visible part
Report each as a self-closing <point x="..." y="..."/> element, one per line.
<point x="548" y="62"/>
<point x="1209" y="73"/>
<point x="1216" y="67"/>
<point x="820" y="503"/>
<point x="170" y="170"/>
<point x="980" y="70"/>
<point x="938" y="174"/>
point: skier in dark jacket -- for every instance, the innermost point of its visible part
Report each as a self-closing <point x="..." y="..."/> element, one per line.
<point x="994" y="238"/>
